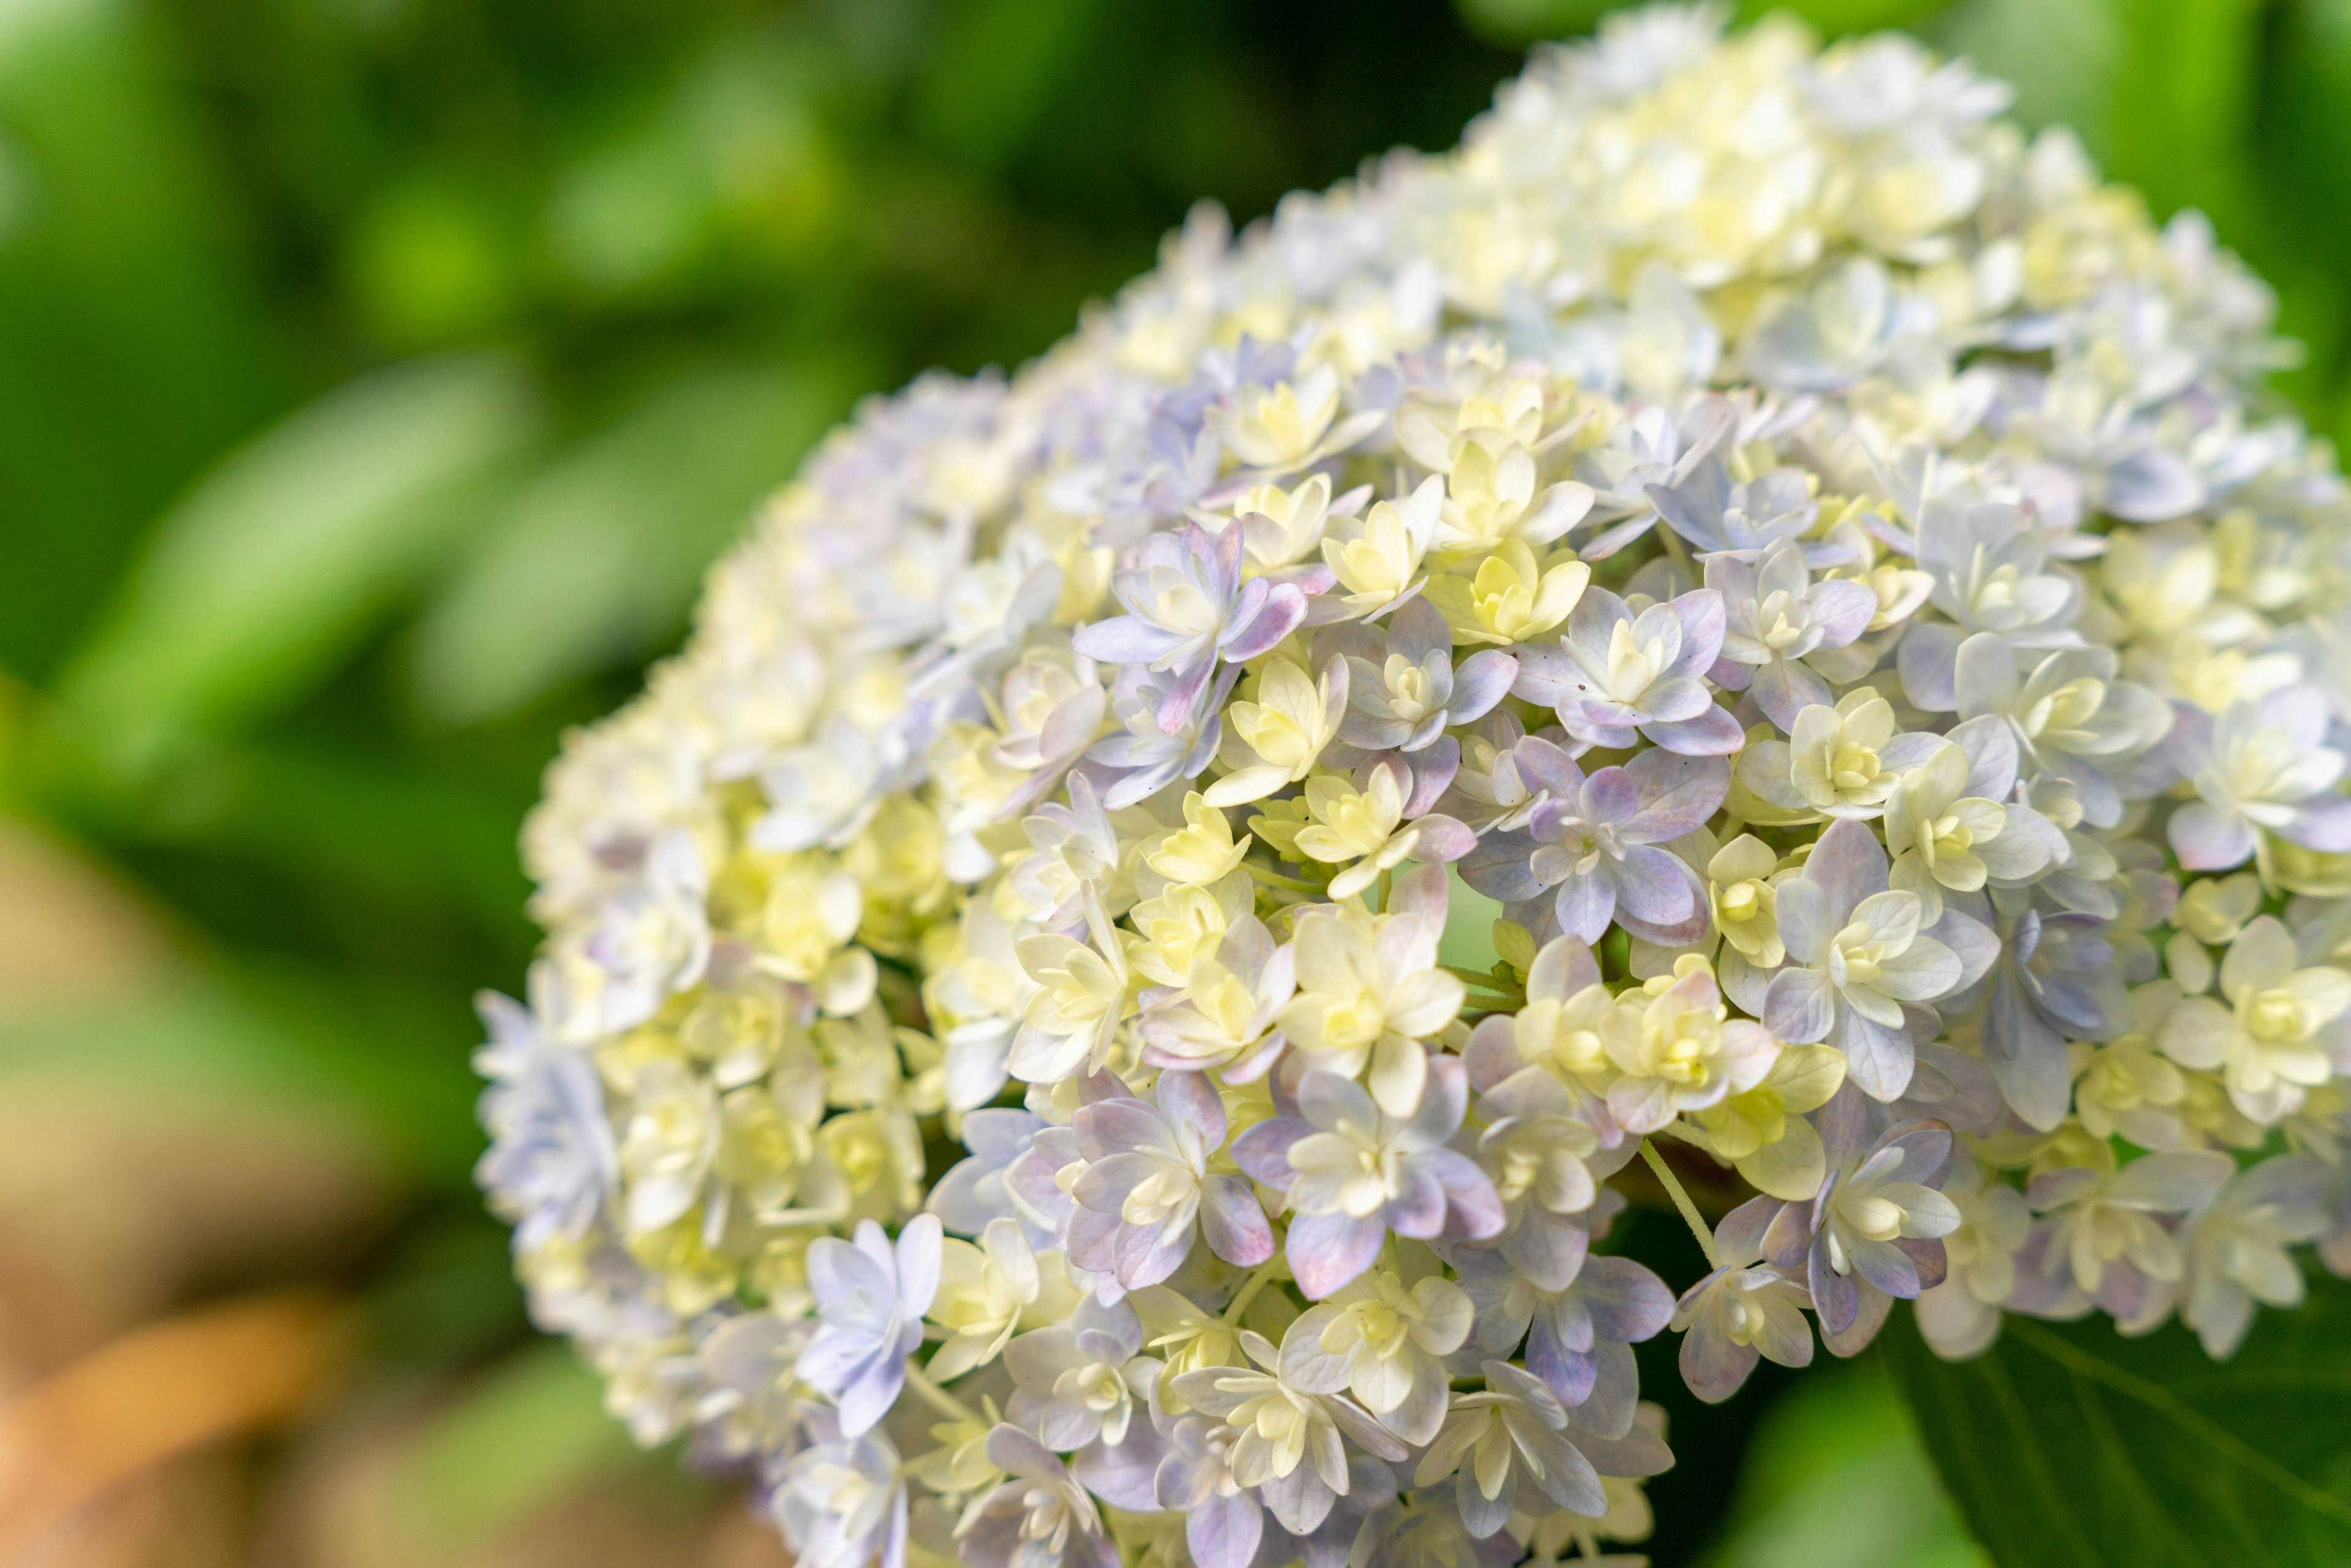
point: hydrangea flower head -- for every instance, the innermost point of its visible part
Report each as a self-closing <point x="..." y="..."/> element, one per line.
<point x="1815" y="555"/>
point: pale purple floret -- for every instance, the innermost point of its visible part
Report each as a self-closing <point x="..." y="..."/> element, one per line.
<point x="1145" y="759"/>
<point x="806" y="1504"/>
<point x="1861" y="964"/>
<point x="975" y="1190"/>
<point x="1031" y="1180"/>
<point x="1778" y="618"/>
<point x="1613" y="676"/>
<point x="1718" y="516"/>
<point x="2057" y="979"/>
<point x="1371" y="1493"/>
<point x="552" y="1164"/>
<point x="1489" y="790"/>
<point x="1403" y="689"/>
<point x="870" y="1297"/>
<point x="1744" y="1310"/>
<point x="1353" y="1173"/>
<point x="2072" y="719"/>
<point x="1534" y="1120"/>
<point x="1069" y="1379"/>
<point x="1853" y="1271"/>
<point x="1579" y="1337"/>
<point x="1595" y="841"/>
<point x="2261" y="766"/>
<point x="1188" y="607"/>
<point x="1147" y="1188"/>
<point x="1040" y="1517"/>
<point x="1652" y="447"/>
<point x="1224" y="1521"/>
<point x="1988" y="561"/>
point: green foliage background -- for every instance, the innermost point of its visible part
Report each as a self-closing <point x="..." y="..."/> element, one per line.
<point x="377" y="378"/>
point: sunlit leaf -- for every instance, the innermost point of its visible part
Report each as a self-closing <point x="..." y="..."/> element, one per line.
<point x="1836" y="17"/>
<point x="2182" y="109"/>
<point x="1837" y="1478"/>
<point x="2060" y="56"/>
<point x="2067" y="1444"/>
<point x="596" y="561"/>
<point x="258" y="582"/>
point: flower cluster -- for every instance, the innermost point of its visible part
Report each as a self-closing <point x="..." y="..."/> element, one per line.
<point x="1017" y="1064"/>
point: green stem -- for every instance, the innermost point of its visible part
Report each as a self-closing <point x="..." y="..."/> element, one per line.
<point x="1483" y="980"/>
<point x="1275" y="879"/>
<point x="1259" y="1279"/>
<point x="1672" y="541"/>
<point x="1690" y="1215"/>
<point x="938" y="1398"/>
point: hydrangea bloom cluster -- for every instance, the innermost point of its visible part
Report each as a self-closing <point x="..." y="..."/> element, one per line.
<point x="1809" y="557"/>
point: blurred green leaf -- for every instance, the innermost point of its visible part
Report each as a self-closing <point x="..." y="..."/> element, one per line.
<point x="2067" y="1444"/>
<point x="1470" y="916"/>
<point x="133" y="344"/>
<point x="430" y="263"/>
<point x="998" y="65"/>
<point x="1836" y="17"/>
<point x="2060" y="57"/>
<point x="517" y="1440"/>
<point x="1837" y="1478"/>
<point x="263" y="577"/>
<point x="597" y="559"/>
<point x="1514" y="23"/>
<point x="319" y="815"/>
<point x="2182" y="107"/>
<point x="339" y="1057"/>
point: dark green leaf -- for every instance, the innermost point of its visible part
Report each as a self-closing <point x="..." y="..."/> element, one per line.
<point x="999" y="63"/>
<point x="2067" y="1444"/>
<point x="133" y="343"/>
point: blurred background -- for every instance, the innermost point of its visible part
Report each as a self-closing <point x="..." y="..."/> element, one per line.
<point x="377" y="378"/>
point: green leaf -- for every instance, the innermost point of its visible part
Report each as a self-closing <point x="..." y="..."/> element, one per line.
<point x="1835" y="18"/>
<point x="2067" y="1444"/>
<point x="375" y="1069"/>
<point x="519" y="1439"/>
<point x="1470" y="916"/>
<point x="2060" y="57"/>
<point x="2182" y="107"/>
<point x="315" y="813"/>
<point x="134" y="344"/>
<point x="1835" y="1478"/>
<point x="999" y="64"/>
<point x="597" y="559"/>
<point x="1515" y="23"/>
<point x="259" y="581"/>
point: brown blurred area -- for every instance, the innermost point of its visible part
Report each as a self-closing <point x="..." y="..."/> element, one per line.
<point x="178" y="1391"/>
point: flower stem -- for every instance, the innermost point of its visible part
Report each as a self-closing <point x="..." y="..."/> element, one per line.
<point x="1275" y="879"/>
<point x="1690" y="1217"/>
<point x="1259" y="1279"/>
<point x="1672" y="541"/>
<point x="938" y="1398"/>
